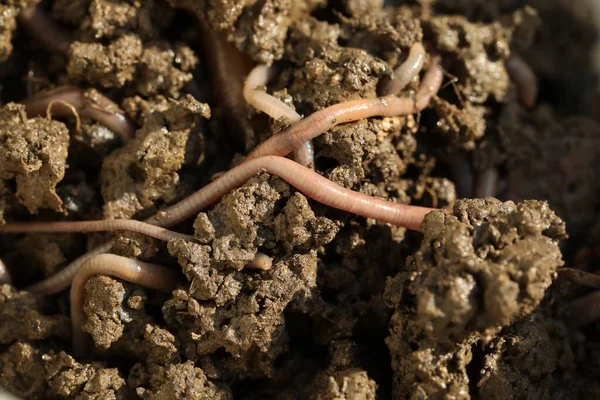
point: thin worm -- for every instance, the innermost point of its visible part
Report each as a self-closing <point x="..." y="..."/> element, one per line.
<point x="152" y="276"/>
<point x="4" y="274"/>
<point x="275" y="108"/>
<point x="63" y="278"/>
<point x="226" y="72"/>
<point x="306" y="181"/>
<point x="430" y="84"/>
<point x="94" y="226"/>
<point x="323" y="120"/>
<point x="99" y="108"/>
<point x="584" y="310"/>
<point x="407" y="71"/>
<point x="282" y="144"/>
<point x="581" y="277"/>
<point x="261" y="261"/>
<point x="45" y="30"/>
<point x="525" y="80"/>
<point x="263" y="101"/>
<point x="486" y="183"/>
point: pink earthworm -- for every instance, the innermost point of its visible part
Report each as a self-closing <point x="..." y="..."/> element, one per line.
<point x="407" y="71"/>
<point x="45" y="30"/>
<point x="63" y="278"/>
<point x="525" y="80"/>
<point x="353" y="110"/>
<point x="227" y="68"/>
<point x="5" y="277"/>
<point x="95" y="106"/>
<point x="94" y="226"/>
<point x="282" y="144"/>
<point x="152" y="276"/>
<point x="306" y="181"/>
<point x="430" y="84"/>
<point x="275" y="108"/>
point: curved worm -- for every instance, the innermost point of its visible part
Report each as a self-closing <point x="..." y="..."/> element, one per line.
<point x="306" y="181"/>
<point x="152" y="276"/>
<point x="45" y="30"/>
<point x="275" y="108"/>
<point x="229" y="66"/>
<point x="407" y="71"/>
<point x="63" y="278"/>
<point x="323" y="120"/>
<point x="4" y="274"/>
<point x="525" y="80"/>
<point x="99" y="108"/>
<point x="94" y="226"/>
<point x="282" y="144"/>
<point x="430" y="84"/>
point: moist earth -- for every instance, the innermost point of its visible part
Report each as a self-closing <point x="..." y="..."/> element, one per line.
<point x="473" y="306"/>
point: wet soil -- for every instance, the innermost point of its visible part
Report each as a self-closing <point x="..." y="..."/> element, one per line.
<point x="474" y="306"/>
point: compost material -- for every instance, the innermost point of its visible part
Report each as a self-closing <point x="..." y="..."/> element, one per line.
<point x="278" y="295"/>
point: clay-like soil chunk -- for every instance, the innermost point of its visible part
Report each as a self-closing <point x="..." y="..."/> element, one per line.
<point x="34" y="153"/>
<point x="7" y="26"/>
<point x="22" y="318"/>
<point x="69" y="378"/>
<point x="109" y="66"/>
<point x="182" y="381"/>
<point x="145" y="170"/>
<point x="477" y="270"/>
<point x="242" y="313"/>
<point x="22" y="371"/>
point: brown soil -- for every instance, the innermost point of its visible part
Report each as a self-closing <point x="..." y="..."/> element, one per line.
<point x="472" y="307"/>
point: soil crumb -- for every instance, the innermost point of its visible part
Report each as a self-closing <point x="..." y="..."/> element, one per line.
<point x="34" y="155"/>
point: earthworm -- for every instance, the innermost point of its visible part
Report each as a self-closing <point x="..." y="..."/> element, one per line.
<point x="486" y="183"/>
<point x="295" y="136"/>
<point x="45" y="30"/>
<point x="275" y="108"/>
<point x="581" y="277"/>
<point x="406" y="72"/>
<point x="319" y="122"/>
<point x="226" y="72"/>
<point x="430" y="84"/>
<point x="524" y="78"/>
<point x="152" y="276"/>
<point x="261" y="261"/>
<point x="62" y="279"/>
<point x="263" y="101"/>
<point x="94" y="226"/>
<point x="4" y="274"/>
<point x="306" y="181"/>
<point x="584" y="310"/>
<point x="97" y="107"/>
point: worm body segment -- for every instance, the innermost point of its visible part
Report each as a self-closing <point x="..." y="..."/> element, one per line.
<point x="100" y="108"/>
<point x="407" y="71"/>
<point x="152" y="276"/>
